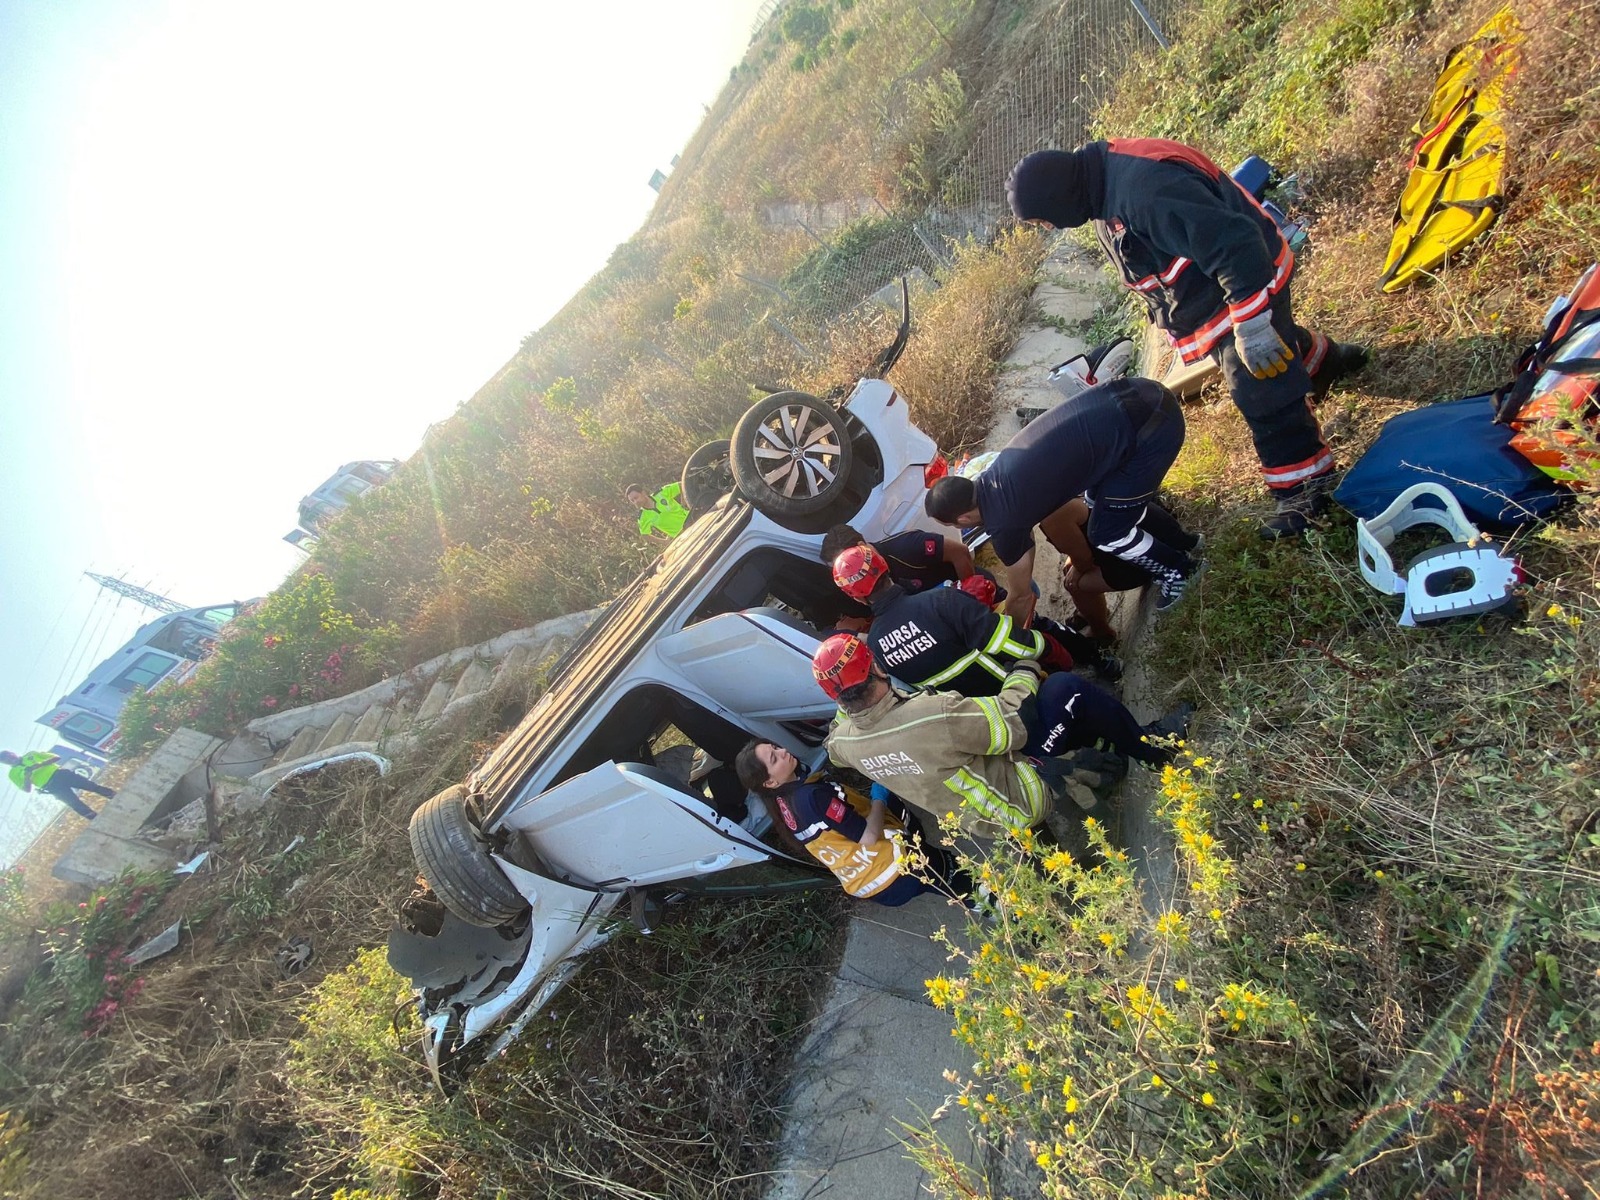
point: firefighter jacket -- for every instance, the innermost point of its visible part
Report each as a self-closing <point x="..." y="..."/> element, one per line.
<point x="943" y="638"/>
<point x="35" y="770"/>
<point x="948" y="753"/>
<point x="829" y="819"/>
<point x="1195" y="245"/>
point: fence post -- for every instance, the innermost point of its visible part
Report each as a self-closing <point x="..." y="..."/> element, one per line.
<point x="788" y="333"/>
<point x="1150" y="24"/>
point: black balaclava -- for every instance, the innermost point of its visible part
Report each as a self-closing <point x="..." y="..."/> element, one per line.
<point x="1063" y="187"/>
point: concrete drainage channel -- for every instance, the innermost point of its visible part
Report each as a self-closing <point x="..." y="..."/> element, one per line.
<point x="874" y="1061"/>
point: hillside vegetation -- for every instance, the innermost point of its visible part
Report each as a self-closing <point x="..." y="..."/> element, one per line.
<point x="1381" y="977"/>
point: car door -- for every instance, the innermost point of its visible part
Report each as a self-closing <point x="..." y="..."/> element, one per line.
<point x="623" y="825"/>
<point x="756" y="663"/>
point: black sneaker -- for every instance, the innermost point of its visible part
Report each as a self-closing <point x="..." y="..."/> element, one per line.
<point x="1108" y="666"/>
<point x="1173" y="591"/>
<point x="1174" y="724"/>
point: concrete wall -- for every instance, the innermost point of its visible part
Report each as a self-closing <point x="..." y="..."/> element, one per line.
<point x="170" y="778"/>
<point x="280" y="726"/>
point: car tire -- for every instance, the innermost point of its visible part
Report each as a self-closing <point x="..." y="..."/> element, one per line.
<point x="792" y="457"/>
<point x="452" y="856"/>
<point x="707" y="476"/>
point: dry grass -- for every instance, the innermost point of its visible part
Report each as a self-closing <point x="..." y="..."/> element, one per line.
<point x="1437" y="784"/>
<point x="189" y="1091"/>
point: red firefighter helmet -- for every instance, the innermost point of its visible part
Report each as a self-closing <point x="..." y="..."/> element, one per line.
<point x="841" y="662"/>
<point x="857" y="570"/>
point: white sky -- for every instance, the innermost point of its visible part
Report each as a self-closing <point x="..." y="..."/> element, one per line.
<point x="242" y="243"/>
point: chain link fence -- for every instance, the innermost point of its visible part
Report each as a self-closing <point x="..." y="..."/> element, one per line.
<point x="926" y="141"/>
<point x="825" y="183"/>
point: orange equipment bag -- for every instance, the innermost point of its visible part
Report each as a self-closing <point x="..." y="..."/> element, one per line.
<point x="1554" y="401"/>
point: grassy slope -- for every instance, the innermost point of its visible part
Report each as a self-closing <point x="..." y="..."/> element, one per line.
<point x="1454" y="761"/>
<point x="1435" y="784"/>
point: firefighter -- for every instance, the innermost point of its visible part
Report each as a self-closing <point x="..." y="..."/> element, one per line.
<point x="1214" y="271"/>
<point x="940" y="638"/>
<point x="983" y="758"/>
<point x="1111" y="444"/>
<point x="918" y="560"/>
<point x="871" y="846"/>
<point x="660" y="515"/>
<point x="41" y="771"/>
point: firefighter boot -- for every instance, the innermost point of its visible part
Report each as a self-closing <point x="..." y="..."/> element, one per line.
<point x="1173" y="725"/>
<point x="1296" y="507"/>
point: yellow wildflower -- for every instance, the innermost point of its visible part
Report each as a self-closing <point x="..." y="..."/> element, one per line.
<point x="1207" y="1099"/>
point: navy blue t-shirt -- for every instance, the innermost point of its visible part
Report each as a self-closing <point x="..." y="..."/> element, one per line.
<point x="916" y="560"/>
<point x="1056" y="458"/>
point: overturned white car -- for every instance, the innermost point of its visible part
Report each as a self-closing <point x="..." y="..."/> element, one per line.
<point x="573" y="821"/>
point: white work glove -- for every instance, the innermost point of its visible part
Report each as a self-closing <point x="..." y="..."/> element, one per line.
<point x="1260" y="348"/>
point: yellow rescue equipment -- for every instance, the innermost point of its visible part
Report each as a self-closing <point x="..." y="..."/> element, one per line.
<point x="1453" y="192"/>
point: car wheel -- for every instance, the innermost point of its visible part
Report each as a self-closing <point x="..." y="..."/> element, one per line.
<point x="707" y="476"/>
<point x="792" y="456"/>
<point x="452" y="856"/>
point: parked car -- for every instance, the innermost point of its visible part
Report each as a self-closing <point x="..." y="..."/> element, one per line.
<point x="573" y="822"/>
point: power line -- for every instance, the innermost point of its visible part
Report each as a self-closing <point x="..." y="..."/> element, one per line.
<point x="86" y="660"/>
<point x="55" y="688"/>
<point x="142" y="595"/>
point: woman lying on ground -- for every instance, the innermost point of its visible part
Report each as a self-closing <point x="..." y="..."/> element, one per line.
<point x="871" y="846"/>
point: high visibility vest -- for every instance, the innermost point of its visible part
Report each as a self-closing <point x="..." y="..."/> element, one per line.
<point x="35" y="770"/>
<point x="668" y="516"/>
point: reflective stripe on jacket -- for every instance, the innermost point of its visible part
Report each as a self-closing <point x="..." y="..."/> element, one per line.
<point x="863" y="871"/>
<point x="948" y="753"/>
<point x="1197" y="247"/>
<point x="943" y="638"/>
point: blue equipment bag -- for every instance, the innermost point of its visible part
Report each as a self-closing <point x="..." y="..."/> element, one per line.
<point x="1456" y="444"/>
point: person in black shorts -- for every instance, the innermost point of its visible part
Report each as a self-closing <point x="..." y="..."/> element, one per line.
<point x="1089" y="577"/>
<point x="1111" y="444"/>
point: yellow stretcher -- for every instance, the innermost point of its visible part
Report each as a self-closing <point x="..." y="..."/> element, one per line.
<point x="1453" y="192"/>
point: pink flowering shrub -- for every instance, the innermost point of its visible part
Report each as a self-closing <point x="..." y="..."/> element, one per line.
<point x="296" y="647"/>
<point x="86" y="946"/>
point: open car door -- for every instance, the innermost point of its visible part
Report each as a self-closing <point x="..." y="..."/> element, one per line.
<point x="625" y="825"/>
